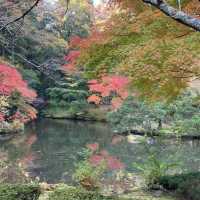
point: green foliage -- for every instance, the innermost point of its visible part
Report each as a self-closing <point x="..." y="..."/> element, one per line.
<point x="77" y="22"/>
<point x="186" y="185"/>
<point x="186" y="114"/>
<point x="106" y="57"/>
<point x="156" y="53"/>
<point x="9" y="106"/>
<point x="70" y="96"/>
<point x="86" y="174"/>
<point x="32" y="78"/>
<point x="136" y="114"/>
<point x="153" y="169"/>
<point x="71" y="193"/>
<point x="19" y="192"/>
<point x="85" y="171"/>
<point x="181" y="116"/>
<point x="11" y="172"/>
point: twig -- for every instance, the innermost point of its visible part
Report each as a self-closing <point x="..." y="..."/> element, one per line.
<point x="22" y="16"/>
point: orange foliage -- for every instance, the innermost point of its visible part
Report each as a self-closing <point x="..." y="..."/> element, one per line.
<point x="106" y="86"/>
<point x="94" y="99"/>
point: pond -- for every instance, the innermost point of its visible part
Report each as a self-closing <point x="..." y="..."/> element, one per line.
<point x="50" y="149"/>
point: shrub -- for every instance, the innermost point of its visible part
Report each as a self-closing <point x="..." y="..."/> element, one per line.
<point x="19" y="192"/>
<point x="181" y="116"/>
<point x="72" y="193"/>
<point x="172" y="182"/>
<point x="153" y="168"/>
<point x="186" y="185"/>
<point x="89" y="176"/>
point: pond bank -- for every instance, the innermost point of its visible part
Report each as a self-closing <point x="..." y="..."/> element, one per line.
<point x="65" y="192"/>
<point x="157" y="134"/>
<point x="90" y="114"/>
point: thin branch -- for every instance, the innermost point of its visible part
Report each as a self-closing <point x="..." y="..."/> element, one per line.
<point x="67" y="7"/>
<point x="32" y="64"/>
<point x="22" y="16"/>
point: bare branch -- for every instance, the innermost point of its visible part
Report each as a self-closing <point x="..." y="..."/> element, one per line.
<point x="22" y="16"/>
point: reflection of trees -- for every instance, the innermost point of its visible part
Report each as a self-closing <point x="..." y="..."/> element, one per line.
<point x="52" y="153"/>
<point x="18" y="156"/>
<point x="59" y="143"/>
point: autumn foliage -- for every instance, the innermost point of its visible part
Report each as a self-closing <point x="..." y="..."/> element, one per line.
<point x="11" y="80"/>
<point x="17" y="96"/>
<point x="113" y="85"/>
<point x="103" y="156"/>
<point x="71" y="59"/>
<point x="157" y="55"/>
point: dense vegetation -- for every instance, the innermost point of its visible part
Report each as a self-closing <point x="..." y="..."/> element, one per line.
<point x="19" y="192"/>
<point x="179" y="117"/>
<point x="70" y="193"/>
<point x="134" y="64"/>
<point x="186" y="185"/>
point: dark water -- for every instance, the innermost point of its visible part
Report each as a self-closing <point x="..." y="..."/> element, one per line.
<point x="50" y="148"/>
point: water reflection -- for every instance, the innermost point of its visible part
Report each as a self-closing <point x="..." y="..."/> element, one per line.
<point x="49" y="149"/>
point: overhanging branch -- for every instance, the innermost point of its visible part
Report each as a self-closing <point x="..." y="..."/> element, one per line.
<point x="22" y="16"/>
<point x="175" y="14"/>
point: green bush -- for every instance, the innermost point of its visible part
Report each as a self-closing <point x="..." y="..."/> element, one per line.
<point x="72" y="193"/>
<point x="172" y="182"/>
<point x="19" y="192"/>
<point x="186" y="185"/>
<point x="153" y="168"/>
<point x="181" y="116"/>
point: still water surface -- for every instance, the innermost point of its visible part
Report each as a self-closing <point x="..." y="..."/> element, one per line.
<point x="50" y="148"/>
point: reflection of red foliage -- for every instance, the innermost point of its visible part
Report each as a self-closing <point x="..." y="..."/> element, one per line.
<point x="28" y="159"/>
<point x="1" y="117"/>
<point x="114" y="163"/>
<point x="93" y="147"/>
<point x="111" y="162"/>
<point x="31" y="139"/>
<point x="117" y="139"/>
<point x="10" y="80"/>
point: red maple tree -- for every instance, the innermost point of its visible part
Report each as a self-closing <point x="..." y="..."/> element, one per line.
<point x="106" y="86"/>
<point x="71" y="59"/>
<point x="11" y="80"/>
